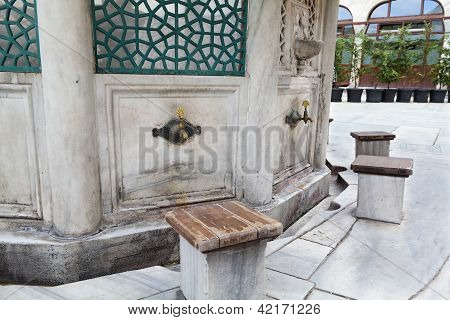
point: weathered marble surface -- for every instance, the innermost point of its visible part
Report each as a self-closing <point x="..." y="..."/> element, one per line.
<point x="372" y="148"/>
<point x="232" y="273"/>
<point x="416" y="134"/>
<point x="294" y="200"/>
<point x="382" y="261"/>
<point x="36" y="257"/>
<point x="285" y="287"/>
<point x="174" y="294"/>
<point x="322" y="295"/>
<point x="349" y="177"/>
<point x="380" y="197"/>
<point x="70" y="123"/>
<point x="439" y="287"/>
<point x="275" y="245"/>
<point x="299" y="259"/>
<point x="131" y="285"/>
<point x="332" y="231"/>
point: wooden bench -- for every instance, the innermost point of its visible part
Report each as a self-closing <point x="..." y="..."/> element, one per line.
<point x="372" y="143"/>
<point x="381" y="187"/>
<point x="222" y="249"/>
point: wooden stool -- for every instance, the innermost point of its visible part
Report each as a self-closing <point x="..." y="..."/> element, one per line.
<point x="381" y="187"/>
<point x="222" y="249"/>
<point x="372" y="143"/>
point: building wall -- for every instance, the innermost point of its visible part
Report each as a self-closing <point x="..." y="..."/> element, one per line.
<point x="361" y="9"/>
<point x="73" y="204"/>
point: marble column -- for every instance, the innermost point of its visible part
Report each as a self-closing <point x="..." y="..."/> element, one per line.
<point x="68" y="88"/>
<point x="263" y="53"/>
<point x="330" y="19"/>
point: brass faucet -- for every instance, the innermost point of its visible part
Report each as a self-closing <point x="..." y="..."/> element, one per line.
<point x="294" y="117"/>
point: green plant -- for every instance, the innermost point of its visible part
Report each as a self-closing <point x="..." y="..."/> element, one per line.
<point x="356" y="46"/>
<point x="384" y="60"/>
<point x="405" y="55"/>
<point x="440" y="71"/>
<point x="339" y="68"/>
<point x="424" y="48"/>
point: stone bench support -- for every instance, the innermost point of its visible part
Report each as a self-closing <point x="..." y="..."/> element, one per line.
<point x="233" y="273"/>
<point x="222" y="249"/>
<point x="372" y="143"/>
<point x="381" y="187"/>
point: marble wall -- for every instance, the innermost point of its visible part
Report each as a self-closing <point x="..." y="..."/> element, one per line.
<point x="78" y="158"/>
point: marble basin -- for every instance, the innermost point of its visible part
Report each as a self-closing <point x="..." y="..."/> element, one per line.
<point x="307" y="49"/>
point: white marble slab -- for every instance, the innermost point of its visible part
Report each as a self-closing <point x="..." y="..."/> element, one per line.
<point x="277" y="244"/>
<point x="380" y="197"/>
<point x="124" y="286"/>
<point x="349" y="177"/>
<point x="439" y="288"/>
<point x="347" y="197"/>
<point x="174" y="294"/>
<point x="28" y="293"/>
<point x="322" y="295"/>
<point x="331" y="232"/>
<point x="416" y="135"/>
<point x="281" y="286"/>
<point x="299" y="259"/>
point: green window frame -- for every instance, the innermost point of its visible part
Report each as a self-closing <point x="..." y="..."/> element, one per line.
<point x="19" y="36"/>
<point x="181" y="37"/>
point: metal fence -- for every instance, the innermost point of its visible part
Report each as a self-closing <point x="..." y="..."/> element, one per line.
<point x="19" y="40"/>
<point x="196" y="37"/>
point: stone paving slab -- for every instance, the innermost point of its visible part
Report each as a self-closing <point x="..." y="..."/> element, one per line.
<point x="281" y="286"/>
<point x="322" y="295"/>
<point x="299" y="259"/>
<point x="275" y="245"/>
<point x="131" y="285"/>
<point x="310" y="219"/>
<point x="174" y="294"/>
<point x="419" y="135"/>
<point x="349" y="177"/>
<point x="396" y="262"/>
<point x="439" y="288"/>
<point x="332" y="231"/>
<point x="377" y="262"/>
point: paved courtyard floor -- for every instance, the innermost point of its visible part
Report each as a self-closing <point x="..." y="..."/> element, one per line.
<point x="330" y="254"/>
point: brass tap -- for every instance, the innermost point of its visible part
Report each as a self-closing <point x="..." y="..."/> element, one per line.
<point x="294" y="117"/>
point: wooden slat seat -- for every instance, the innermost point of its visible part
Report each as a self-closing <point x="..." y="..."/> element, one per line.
<point x="373" y="135"/>
<point x="387" y="166"/>
<point x="209" y="227"/>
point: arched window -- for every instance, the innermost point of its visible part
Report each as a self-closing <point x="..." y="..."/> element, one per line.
<point x="391" y="15"/>
<point x="345" y="22"/>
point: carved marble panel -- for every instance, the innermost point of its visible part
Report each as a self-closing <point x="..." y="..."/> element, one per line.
<point x="295" y="145"/>
<point x="148" y="171"/>
<point x="299" y="20"/>
<point x="19" y="174"/>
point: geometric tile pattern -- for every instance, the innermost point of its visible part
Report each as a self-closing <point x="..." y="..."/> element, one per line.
<point x="313" y="17"/>
<point x="199" y="37"/>
<point x="19" y="44"/>
<point x="289" y="23"/>
<point x="284" y="57"/>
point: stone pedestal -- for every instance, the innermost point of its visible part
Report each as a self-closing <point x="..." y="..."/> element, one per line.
<point x="222" y="250"/>
<point x="372" y="143"/>
<point x="380" y="198"/>
<point x="231" y="273"/>
<point x="372" y="148"/>
<point x="381" y="187"/>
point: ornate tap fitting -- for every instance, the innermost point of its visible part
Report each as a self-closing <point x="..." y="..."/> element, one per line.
<point x="295" y="117"/>
<point x="179" y="130"/>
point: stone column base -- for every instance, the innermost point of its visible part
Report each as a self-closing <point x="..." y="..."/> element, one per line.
<point x="232" y="273"/>
<point x="380" y="197"/>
